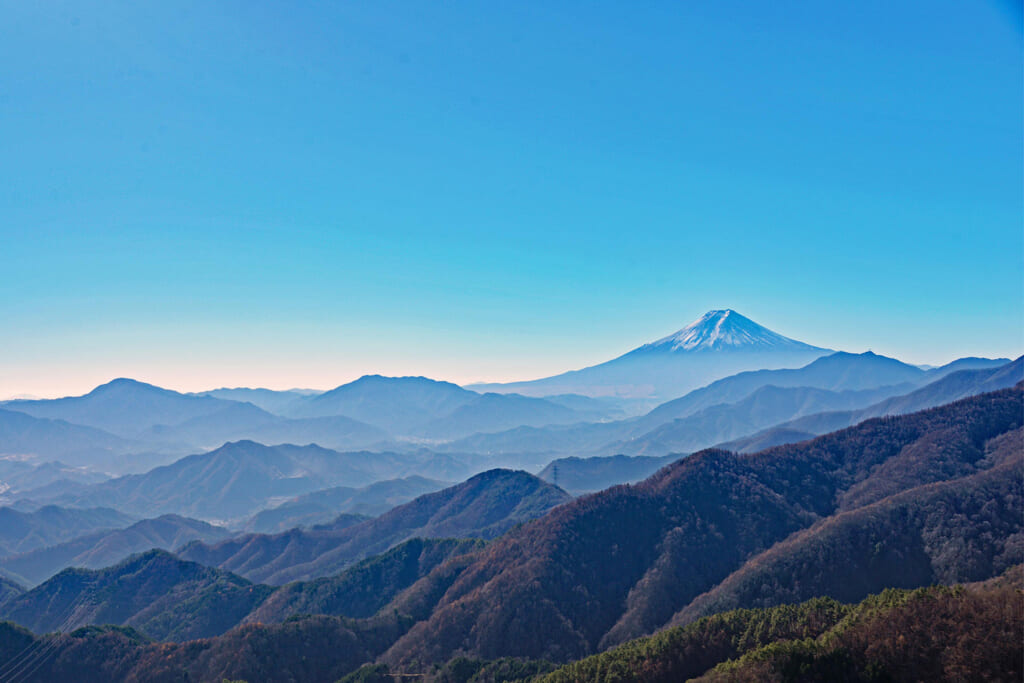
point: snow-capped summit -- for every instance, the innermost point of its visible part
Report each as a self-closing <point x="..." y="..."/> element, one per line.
<point x="725" y="330"/>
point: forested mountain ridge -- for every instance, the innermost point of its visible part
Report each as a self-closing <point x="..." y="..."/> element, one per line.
<point x="681" y="532"/>
<point x="315" y="649"/>
<point x="964" y="529"/>
<point x="939" y="633"/>
<point x="364" y="588"/>
<point x="167" y="598"/>
<point x="155" y="592"/>
<point x="935" y="634"/>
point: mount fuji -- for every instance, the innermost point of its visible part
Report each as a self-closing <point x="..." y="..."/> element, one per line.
<point x="718" y="344"/>
<point x="724" y="331"/>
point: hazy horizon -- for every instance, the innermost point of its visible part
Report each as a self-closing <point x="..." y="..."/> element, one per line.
<point x="201" y="381"/>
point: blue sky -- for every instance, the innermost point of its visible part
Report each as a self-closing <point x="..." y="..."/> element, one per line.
<point x="295" y="194"/>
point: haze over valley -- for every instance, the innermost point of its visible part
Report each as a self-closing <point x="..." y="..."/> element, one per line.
<point x="240" y="493"/>
<point x="387" y="503"/>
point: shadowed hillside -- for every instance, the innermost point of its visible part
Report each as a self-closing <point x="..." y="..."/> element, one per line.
<point x="935" y="634"/>
<point x="361" y="590"/>
<point x="155" y="592"/>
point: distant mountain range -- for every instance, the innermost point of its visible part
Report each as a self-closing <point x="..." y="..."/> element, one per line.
<point x="240" y="479"/>
<point x="428" y="409"/>
<point x="105" y="548"/>
<point x="485" y="506"/>
<point x="235" y="480"/>
<point x="126" y="426"/>
<point x="769" y="404"/>
<point x="244" y="421"/>
<point x="124" y="423"/>
<point x="22" y="532"/>
<point x="398" y="404"/>
<point x="320" y="507"/>
<point x="126" y="416"/>
<point x="51" y="439"/>
<point x="18" y="475"/>
<point x="840" y="373"/>
<point x="747" y="411"/>
<point x="123" y="407"/>
<point x="954" y="386"/>
<point x="270" y="400"/>
<point x="739" y="406"/>
<point x="833" y="383"/>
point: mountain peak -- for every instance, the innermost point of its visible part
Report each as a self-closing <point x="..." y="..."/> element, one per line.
<point x="125" y="384"/>
<point x="725" y="330"/>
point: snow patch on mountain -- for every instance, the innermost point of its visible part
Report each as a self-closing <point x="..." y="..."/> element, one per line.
<point x="724" y="330"/>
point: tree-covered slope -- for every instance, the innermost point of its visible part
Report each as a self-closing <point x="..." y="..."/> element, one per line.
<point x="934" y="634"/>
<point x="620" y="563"/>
<point x="940" y="633"/>
<point x="155" y="592"/>
<point x="962" y="530"/>
<point x="312" y="650"/>
<point x="363" y="589"/>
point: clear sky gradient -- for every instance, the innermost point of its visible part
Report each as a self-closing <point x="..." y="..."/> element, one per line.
<point x="201" y="194"/>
